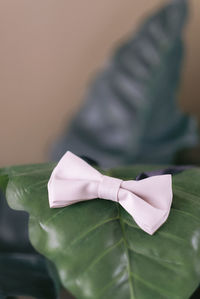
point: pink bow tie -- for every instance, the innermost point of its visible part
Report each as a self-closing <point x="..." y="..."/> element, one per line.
<point x="148" y="201"/>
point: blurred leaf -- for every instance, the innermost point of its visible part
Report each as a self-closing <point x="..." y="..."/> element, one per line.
<point x="23" y="271"/>
<point x="131" y="113"/>
<point x="3" y="180"/>
<point x="26" y="274"/>
<point x="98" y="249"/>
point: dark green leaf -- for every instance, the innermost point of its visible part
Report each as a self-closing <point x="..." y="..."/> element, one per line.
<point x="98" y="249"/>
<point x="131" y="112"/>
<point x="27" y="275"/>
<point x="22" y="270"/>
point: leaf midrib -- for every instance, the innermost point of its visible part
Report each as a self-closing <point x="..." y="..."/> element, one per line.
<point x="132" y="296"/>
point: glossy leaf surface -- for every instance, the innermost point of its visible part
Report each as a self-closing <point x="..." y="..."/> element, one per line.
<point x="98" y="249"/>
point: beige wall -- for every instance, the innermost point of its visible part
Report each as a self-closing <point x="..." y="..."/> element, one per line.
<point x="50" y="49"/>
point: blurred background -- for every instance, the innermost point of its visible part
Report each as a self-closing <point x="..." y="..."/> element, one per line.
<point x="49" y="52"/>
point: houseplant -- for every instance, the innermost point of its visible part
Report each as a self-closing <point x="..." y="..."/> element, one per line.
<point x="99" y="251"/>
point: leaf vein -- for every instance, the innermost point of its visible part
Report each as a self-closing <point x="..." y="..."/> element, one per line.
<point x="158" y="259"/>
<point x="132" y="296"/>
<point x="104" y="253"/>
<point x="151" y="286"/>
<point x="110" y="284"/>
<point x="80" y="237"/>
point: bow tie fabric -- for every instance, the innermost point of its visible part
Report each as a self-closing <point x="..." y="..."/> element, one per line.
<point x="148" y="201"/>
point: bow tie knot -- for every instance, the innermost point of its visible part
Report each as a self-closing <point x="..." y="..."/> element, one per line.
<point x="109" y="188"/>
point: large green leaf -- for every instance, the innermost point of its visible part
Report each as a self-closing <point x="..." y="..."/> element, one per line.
<point x="125" y="118"/>
<point x="99" y="250"/>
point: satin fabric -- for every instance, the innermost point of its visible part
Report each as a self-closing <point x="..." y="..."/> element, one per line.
<point x="148" y="201"/>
